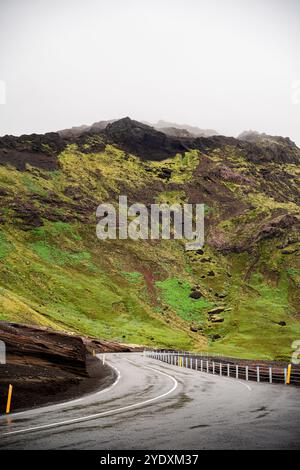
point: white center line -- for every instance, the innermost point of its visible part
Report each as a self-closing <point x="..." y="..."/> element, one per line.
<point x="105" y="413"/>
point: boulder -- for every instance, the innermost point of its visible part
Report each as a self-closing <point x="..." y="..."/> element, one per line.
<point x="221" y="295"/>
<point x="215" y="337"/>
<point x="216" y="319"/>
<point x="195" y="294"/>
<point x="193" y="328"/>
<point x="216" y="310"/>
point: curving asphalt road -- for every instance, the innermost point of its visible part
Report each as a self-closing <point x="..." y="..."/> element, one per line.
<point x="153" y="405"/>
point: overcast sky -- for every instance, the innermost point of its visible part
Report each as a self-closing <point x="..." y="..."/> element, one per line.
<point x="229" y="65"/>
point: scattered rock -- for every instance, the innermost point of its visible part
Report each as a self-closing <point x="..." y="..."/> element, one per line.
<point x="289" y="252"/>
<point x="221" y="295"/>
<point x="205" y="259"/>
<point x="195" y="294"/>
<point x="282" y="323"/>
<point x="216" y="319"/>
<point x="197" y="287"/>
<point x="211" y="273"/>
<point x="216" y="310"/>
<point x="215" y="337"/>
<point x="194" y="329"/>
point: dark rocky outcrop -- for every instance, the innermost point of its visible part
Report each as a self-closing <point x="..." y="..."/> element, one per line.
<point x="143" y="140"/>
<point x="39" y="150"/>
<point x="275" y="227"/>
<point x="150" y="143"/>
<point x="46" y="366"/>
<point x="264" y="147"/>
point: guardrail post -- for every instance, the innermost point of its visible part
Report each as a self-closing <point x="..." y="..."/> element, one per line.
<point x="285" y="374"/>
<point x="270" y="375"/>
<point x="237" y="371"/>
<point x="201" y="365"/>
<point x="196" y="364"/>
<point x="8" y="403"/>
<point x="247" y="372"/>
<point x="288" y="377"/>
<point x="228" y="370"/>
<point x="207" y="367"/>
<point x="257" y="374"/>
<point x="220" y="365"/>
<point x="191" y="363"/>
<point x="213" y="367"/>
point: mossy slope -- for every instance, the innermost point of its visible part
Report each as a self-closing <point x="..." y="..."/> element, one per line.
<point x="55" y="272"/>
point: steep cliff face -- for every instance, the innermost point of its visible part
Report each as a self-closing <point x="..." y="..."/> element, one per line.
<point x="55" y="272"/>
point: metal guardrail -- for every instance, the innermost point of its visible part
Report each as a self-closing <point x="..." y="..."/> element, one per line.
<point x="243" y="369"/>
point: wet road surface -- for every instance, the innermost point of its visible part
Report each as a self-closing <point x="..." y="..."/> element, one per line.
<point x="154" y="405"/>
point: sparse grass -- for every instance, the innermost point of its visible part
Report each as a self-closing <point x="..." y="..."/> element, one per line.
<point x="5" y="246"/>
<point x="175" y="293"/>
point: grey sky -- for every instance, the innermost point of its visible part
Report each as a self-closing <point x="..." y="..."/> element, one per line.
<point x="225" y="64"/>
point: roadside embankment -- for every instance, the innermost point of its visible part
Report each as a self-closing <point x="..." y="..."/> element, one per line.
<point x="45" y="366"/>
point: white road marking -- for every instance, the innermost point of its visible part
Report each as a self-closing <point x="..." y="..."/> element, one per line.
<point x="230" y="379"/>
<point x="242" y="383"/>
<point x="42" y="409"/>
<point x="105" y="413"/>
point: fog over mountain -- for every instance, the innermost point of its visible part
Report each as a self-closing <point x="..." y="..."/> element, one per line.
<point x="226" y="66"/>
